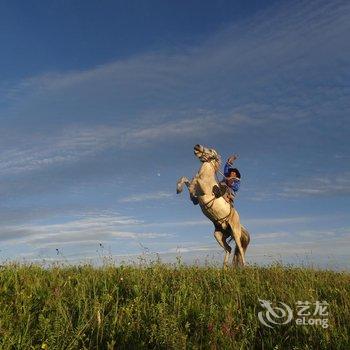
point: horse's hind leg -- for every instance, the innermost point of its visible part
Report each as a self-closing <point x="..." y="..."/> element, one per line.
<point x="237" y="259"/>
<point x="221" y="239"/>
<point x="239" y="251"/>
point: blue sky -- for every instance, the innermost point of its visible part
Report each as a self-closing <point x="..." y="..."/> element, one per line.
<point x="102" y="102"/>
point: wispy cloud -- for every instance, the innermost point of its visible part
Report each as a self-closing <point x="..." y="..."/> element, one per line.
<point x="261" y="222"/>
<point x="336" y="247"/>
<point x="75" y="230"/>
<point x="141" y="197"/>
<point x="271" y="235"/>
<point x="322" y="234"/>
<point x="190" y="249"/>
<point x="273" y="221"/>
<point x="66" y="146"/>
<point x="77" y="143"/>
<point x="172" y="224"/>
<point x="332" y="184"/>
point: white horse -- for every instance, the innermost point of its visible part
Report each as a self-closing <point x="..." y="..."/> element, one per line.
<point x="205" y="191"/>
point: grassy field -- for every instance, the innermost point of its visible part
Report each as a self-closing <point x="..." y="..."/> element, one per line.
<point x="159" y="306"/>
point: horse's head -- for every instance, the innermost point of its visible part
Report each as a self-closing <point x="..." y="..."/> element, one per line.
<point x="207" y="155"/>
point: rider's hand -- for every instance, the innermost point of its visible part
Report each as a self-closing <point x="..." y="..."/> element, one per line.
<point x="232" y="158"/>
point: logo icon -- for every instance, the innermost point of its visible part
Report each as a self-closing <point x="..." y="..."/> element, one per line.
<point x="274" y="315"/>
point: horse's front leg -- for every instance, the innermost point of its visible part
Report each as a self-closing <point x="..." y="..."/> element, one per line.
<point x="181" y="182"/>
<point x="191" y="188"/>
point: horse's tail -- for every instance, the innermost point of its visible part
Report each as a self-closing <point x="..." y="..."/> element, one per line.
<point x="245" y="238"/>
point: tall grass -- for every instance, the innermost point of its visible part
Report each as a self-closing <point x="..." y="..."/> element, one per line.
<point x="159" y="306"/>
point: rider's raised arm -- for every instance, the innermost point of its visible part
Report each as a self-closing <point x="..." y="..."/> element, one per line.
<point x="232" y="158"/>
<point x="226" y="169"/>
<point x="229" y="163"/>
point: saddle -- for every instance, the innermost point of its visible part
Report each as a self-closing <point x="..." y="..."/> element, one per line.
<point x="222" y="190"/>
<point x="226" y="193"/>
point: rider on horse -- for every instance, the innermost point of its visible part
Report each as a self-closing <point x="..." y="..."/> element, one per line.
<point x="232" y="179"/>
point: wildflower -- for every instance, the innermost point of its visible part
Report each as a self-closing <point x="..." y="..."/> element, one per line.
<point x="44" y="346"/>
<point x="227" y="330"/>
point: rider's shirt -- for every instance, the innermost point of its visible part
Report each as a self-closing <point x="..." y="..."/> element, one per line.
<point x="232" y="183"/>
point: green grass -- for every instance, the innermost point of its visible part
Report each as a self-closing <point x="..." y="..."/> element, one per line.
<point x="159" y="306"/>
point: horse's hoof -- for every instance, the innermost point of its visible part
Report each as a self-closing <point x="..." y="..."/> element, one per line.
<point x="180" y="184"/>
<point x="179" y="188"/>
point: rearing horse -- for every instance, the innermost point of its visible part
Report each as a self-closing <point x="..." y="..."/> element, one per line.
<point x="205" y="190"/>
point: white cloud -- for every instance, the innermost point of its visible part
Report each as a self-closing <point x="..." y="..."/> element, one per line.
<point x="333" y="184"/>
<point x="336" y="247"/>
<point x="66" y="146"/>
<point x="261" y="222"/>
<point x="204" y="222"/>
<point x="141" y="197"/>
<point x="321" y="234"/>
<point x="88" y="228"/>
<point x="270" y="235"/>
<point x="190" y="249"/>
<point x="284" y="221"/>
<point x="76" y="142"/>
